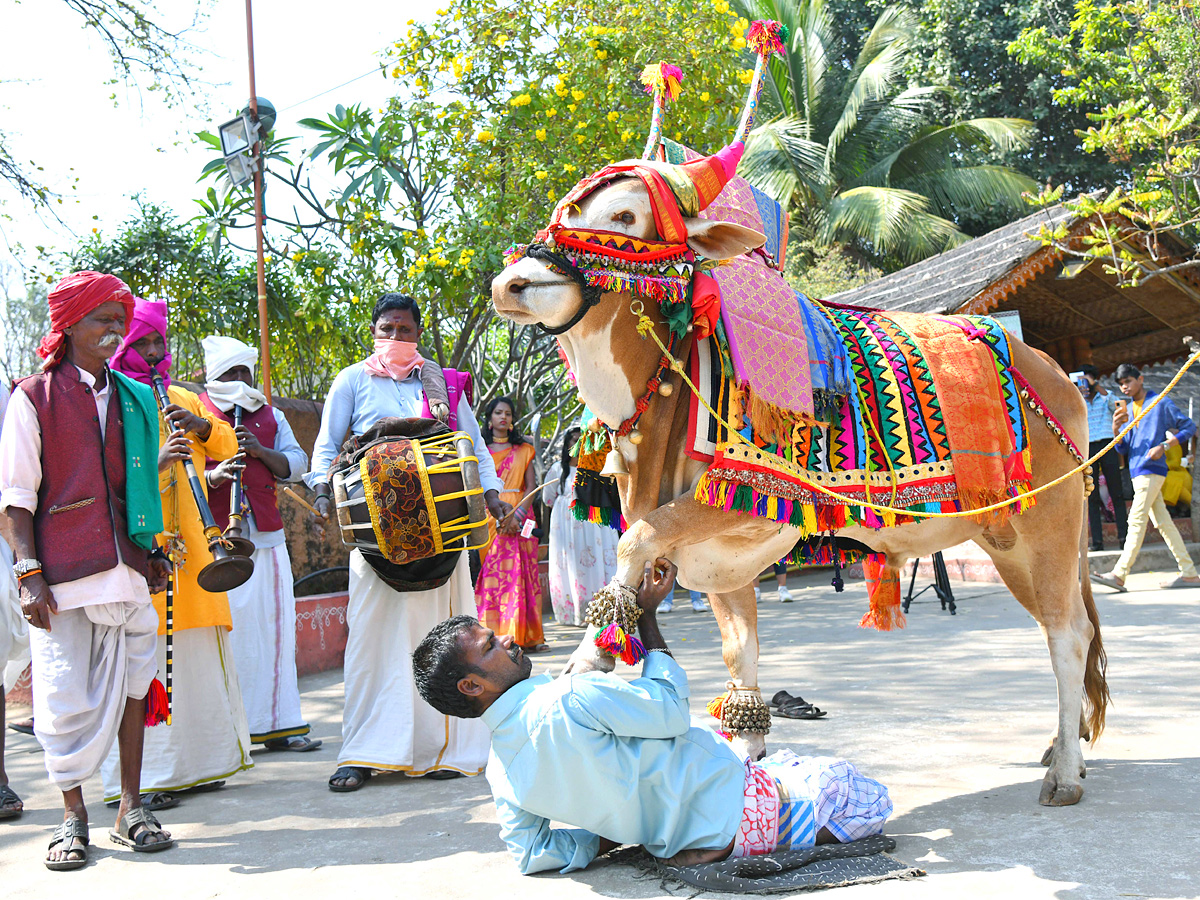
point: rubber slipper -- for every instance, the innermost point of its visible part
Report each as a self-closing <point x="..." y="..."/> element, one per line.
<point x="25" y="727"/>
<point x="801" y="710"/>
<point x="1108" y="580"/>
<point x="296" y="744"/>
<point x="140" y="818"/>
<point x="364" y="775"/>
<point x="1178" y="583"/>
<point x="8" y="797"/>
<point x="69" y="831"/>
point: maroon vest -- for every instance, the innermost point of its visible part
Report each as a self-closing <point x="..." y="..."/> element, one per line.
<point x="81" y="501"/>
<point x="258" y="482"/>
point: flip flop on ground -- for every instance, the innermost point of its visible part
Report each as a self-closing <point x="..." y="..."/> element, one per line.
<point x="153" y="801"/>
<point x="786" y="706"/>
<point x="11" y="806"/>
<point x="1180" y="582"/>
<point x="138" y="830"/>
<point x="296" y="744"/>
<point x="359" y="775"/>
<point x="71" y="840"/>
<point x="1108" y="579"/>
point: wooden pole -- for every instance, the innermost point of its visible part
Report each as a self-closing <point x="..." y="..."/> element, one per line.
<point x="263" y="334"/>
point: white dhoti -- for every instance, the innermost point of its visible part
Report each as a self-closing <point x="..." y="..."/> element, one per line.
<point x="208" y="738"/>
<point x="386" y="724"/>
<point x="264" y="645"/>
<point x="83" y="669"/>
<point x="14" y="630"/>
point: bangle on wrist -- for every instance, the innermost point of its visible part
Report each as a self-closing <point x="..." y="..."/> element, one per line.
<point x="25" y="575"/>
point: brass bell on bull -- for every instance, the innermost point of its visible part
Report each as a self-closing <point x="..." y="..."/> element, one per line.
<point x="614" y="463"/>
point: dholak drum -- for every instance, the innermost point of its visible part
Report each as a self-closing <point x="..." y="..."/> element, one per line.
<point x="412" y="506"/>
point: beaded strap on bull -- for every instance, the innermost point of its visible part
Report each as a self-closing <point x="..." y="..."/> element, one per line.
<point x="741" y="708"/>
<point x="615" y="612"/>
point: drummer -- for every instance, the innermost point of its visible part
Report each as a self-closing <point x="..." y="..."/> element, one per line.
<point x="386" y="726"/>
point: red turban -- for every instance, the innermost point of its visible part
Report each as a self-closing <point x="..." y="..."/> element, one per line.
<point x="72" y="299"/>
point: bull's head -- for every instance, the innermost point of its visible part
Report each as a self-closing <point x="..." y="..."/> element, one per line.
<point x="652" y="203"/>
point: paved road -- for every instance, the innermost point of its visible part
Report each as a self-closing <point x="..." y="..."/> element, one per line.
<point x="952" y="714"/>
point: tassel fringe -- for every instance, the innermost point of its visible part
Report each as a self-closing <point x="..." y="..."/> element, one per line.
<point x="156" y="704"/>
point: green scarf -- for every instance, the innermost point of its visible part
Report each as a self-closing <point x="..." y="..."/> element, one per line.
<point x="143" y="506"/>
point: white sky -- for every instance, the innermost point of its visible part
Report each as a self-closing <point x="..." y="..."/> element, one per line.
<point x="55" y="107"/>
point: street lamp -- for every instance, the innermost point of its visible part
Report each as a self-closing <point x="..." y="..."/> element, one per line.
<point x="239" y="137"/>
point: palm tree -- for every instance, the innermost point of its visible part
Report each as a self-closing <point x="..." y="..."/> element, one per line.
<point x="854" y="152"/>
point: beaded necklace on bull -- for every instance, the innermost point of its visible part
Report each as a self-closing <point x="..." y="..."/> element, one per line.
<point x="661" y="271"/>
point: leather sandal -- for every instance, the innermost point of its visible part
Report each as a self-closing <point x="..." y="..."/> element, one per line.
<point x="71" y="832"/>
<point x="296" y="744"/>
<point x="363" y="776"/>
<point x="135" y="829"/>
<point x="9" y="808"/>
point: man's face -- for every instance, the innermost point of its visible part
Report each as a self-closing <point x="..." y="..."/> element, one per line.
<point x="238" y="373"/>
<point x="497" y="662"/>
<point x="397" y="325"/>
<point x="152" y="347"/>
<point x="1130" y="387"/>
<point x="99" y="333"/>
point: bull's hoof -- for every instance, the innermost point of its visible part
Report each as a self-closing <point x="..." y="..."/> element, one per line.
<point x="1055" y="794"/>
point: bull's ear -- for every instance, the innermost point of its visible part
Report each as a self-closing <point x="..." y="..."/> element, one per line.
<point x="721" y="240"/>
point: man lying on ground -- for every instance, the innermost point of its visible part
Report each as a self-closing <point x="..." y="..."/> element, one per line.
<point x="623" y="761"/>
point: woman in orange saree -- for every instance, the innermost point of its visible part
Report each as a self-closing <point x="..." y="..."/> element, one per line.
<point x="508" y="594"/>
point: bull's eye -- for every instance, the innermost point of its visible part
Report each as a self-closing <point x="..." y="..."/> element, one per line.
<point x="627" y="217"/>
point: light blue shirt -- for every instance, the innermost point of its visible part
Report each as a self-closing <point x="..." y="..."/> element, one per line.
<point x="357" y="400"/>
<point x="618" y="759"/>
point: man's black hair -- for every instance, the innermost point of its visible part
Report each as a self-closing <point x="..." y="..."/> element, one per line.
<point x="396" y="301"/>
<point x="1128" y="370"/>
<point x="440" y="662"/>
<point x="1089" y="369"/>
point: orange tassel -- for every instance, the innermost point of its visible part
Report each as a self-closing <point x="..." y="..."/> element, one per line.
<point x="156" y="704"/>
<point x="716" y="706"/>
<point x="883" y="587"/>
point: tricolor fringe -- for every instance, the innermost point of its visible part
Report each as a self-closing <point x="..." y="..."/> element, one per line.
<point x="156" y="704"/>
<point x="659" y="288"/>
<point x="606" y="516"/>
<point x="664" y="78"/>
<point x="766" y="37"/>
<point x="625" y="647"/>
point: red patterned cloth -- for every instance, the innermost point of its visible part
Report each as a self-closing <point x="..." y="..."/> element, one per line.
<point x="758" y="834"/>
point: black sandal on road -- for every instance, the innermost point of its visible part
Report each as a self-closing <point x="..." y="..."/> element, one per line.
<point x="363" y="776"/>
<point x="296" y="744"/>
<point x="72" y="837"/>
<point x="135" y="829"/>
<point x="800" y="710"/>
<point x="10" y="803"/>
<point x="153" y="801"/>
<point x="783" y="698"/>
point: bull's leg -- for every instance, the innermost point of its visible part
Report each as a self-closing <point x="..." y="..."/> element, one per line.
<point x="659" y="533"/>
<point x="1042" y="573"/>
<point x="737" y="616"/>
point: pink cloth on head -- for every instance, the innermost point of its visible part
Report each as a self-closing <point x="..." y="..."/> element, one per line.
<point x="148" y="316"/>
<point x="393" y="359"/>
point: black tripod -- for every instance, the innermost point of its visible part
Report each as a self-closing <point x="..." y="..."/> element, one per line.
<point x="941" y="585"/>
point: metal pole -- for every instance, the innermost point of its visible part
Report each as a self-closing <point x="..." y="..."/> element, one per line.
<point x="263" y="334"/>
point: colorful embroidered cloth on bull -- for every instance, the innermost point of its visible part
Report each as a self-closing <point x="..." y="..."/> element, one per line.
<point x="934" y="412"/>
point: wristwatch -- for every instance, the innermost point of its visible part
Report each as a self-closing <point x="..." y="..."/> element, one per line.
<point x="23" y="567"/>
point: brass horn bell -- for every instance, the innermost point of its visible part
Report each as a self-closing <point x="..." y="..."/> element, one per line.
<point x="614" y="464"/>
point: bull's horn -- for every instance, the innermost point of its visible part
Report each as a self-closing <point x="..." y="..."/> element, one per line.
<point x="764" y="37"/>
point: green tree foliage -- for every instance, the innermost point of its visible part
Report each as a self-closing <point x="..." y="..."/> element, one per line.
<point x="209" y="292"/>
<point x="855" y="151"/>
<point x="1136" y="61"/>
<point x="24" y="318"/>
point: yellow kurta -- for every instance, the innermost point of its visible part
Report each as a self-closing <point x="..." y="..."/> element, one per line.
<point x="194" y="607"/>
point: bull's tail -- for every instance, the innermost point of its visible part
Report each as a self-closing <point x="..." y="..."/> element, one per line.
<point x="1095" y="685"/>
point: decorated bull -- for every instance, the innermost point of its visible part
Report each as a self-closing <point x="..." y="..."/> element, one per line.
<point x="743" y="423"/>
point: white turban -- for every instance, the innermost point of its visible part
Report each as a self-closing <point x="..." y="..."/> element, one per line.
<point x="220" y="355"/>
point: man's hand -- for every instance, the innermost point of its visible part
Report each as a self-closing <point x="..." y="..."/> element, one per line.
<point x="1120" y="417"/>
<point x="324" y="506"/>
<point x="657" y="582"/>
<point x="497" y="507"/>
<point x="37" y="603"/>
<point x="226" y="470"/>
<point x="177" y="448"/>
<point x="512" y="524"/>
<point x="183" y="420"/>
<point x="1158" y="451"/>
<point x="249" y="442"/>
<point x="160" y="572"/>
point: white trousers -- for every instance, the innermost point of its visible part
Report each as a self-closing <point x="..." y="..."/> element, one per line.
<point x="386" y="724"/>
<point x="83" y="669"/>
<point x="1148" y="503"/>
<point x="208" y="739"/>
<point x="264" y="646"/>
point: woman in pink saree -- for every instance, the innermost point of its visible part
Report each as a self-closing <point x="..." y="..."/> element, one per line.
<point x="508" y="594"/>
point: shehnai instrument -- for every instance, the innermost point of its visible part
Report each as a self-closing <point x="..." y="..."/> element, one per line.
<point x="238" y="544"/>
<point x="227" y="570"/>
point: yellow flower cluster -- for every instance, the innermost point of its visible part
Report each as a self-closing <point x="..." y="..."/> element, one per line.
<point x="577" y="96"/>
<point x="483" y="135"/>
<point x="721" y="6"/>
<point x="613" y="116"/>
<point x="540" y="134"/>
<point x="561" y="87"/>
<point x="541" y="174"/>
<point x="521" y="100"/>
<point x="746" y="76"/>
<point x="551" y="113"/>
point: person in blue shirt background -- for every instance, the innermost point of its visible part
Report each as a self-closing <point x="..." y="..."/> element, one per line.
<point x="1101" y="406"/>
<point x="1146" y="448"/>
<point x="624" y="762"/>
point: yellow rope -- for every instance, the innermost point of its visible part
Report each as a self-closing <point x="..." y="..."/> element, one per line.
<point x="645" y="326"/>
